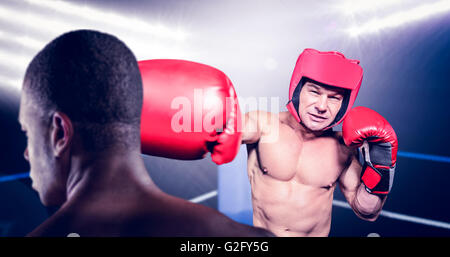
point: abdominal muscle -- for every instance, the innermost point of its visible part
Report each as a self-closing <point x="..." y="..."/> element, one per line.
<point x="289" y="208"/>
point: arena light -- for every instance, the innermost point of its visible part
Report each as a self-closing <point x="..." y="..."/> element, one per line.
<point x="24" y="41"/>
<point x="31" y="20"/>
<point x="147" y="40"/>
<point x="110" y="18"/>
<point x="14" y="60"/>
<point x="351" y="7"/>
<point x="399" y="18"/>
<point x="146" y="45"/>
<point x="11" y="82"/>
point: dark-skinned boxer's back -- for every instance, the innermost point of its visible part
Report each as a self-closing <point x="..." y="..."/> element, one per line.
<point x="139" y="209"/>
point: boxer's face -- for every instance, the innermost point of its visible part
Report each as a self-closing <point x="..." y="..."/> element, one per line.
<point x="45" y="169"/>
<point x="319" y="105"/>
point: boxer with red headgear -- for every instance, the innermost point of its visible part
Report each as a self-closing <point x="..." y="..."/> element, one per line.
<point x="295" y="159"/>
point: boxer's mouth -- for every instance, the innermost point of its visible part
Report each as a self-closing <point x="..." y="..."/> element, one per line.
<point x="316" y="117"/>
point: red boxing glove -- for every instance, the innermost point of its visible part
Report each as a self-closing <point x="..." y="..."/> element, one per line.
<point x="365" y="127"/>
<point x="189" y="109"/>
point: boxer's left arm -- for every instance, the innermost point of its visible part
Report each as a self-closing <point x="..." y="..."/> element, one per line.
<point x="365" y="205"/>
<point x="367" y="130"/>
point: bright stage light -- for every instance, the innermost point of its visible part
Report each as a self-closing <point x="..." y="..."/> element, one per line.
<point x="11" y="82"/>
<point x="146" y="39"/>
<point x="25" y="41"/>
<point x="159" y="41"/>
<point x="351" y="7"/>
<point x="399" y="18"/>
<point x="113" y="19"/>
<point x="34" y="21"/>
<point x="14" y="60"/>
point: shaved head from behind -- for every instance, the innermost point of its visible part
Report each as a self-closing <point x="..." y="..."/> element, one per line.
<point x="86" y="87"/>
<point x="93" y="78"/>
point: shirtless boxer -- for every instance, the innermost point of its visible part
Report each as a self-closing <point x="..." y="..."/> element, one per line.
<point x="81" y="110"/>
<point x="293" y="177"/>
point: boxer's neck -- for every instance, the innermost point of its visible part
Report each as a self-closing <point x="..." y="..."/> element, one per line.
<point x="107" y="173"/>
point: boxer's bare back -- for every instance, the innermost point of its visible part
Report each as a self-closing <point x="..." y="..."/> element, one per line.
<point x="293" y="175"/>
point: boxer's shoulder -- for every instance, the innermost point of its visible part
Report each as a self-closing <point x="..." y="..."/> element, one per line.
<point x="262" y="117"/>
<point x="56" y="225"/>
<point x="344" y="151"/>
<point x="283" y="117"/>
<point x="285" y="120"/>
<point x="335" y="137"/>
<point x="267" y="122"/>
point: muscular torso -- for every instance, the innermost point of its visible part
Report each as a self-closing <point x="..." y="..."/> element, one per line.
<point x="293" y="180"/>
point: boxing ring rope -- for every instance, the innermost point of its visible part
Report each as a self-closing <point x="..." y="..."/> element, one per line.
<point x="403" y="217"/>
<point x="236" y="210"/>
<point x="14" y="177"/>
<point x="420" y="156"/>
<point x="338" y="203"/>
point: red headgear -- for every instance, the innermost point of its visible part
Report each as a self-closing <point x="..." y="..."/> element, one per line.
<point x="330" y="68"/>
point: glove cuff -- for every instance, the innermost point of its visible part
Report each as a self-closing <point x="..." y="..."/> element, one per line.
<point x="378" y="178"/>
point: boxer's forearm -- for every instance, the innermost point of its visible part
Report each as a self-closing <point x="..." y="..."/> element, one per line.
<point x="367" y="206"/>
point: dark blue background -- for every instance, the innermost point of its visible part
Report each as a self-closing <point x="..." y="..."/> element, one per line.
<point x="406" y="79"/>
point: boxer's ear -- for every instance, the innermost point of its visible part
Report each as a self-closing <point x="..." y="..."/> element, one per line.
<point x="61" y="133"/>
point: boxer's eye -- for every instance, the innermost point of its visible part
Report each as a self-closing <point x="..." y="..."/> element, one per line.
<point x="335" y="97"/>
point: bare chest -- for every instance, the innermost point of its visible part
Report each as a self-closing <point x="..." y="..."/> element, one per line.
<point x="317" y="162"/>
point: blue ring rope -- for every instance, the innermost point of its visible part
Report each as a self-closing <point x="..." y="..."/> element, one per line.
<point x="14" y="177"/>
<point x="420" y="156"/>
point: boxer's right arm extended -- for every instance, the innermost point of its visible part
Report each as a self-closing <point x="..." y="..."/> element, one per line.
<point x="257" y="124"/>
